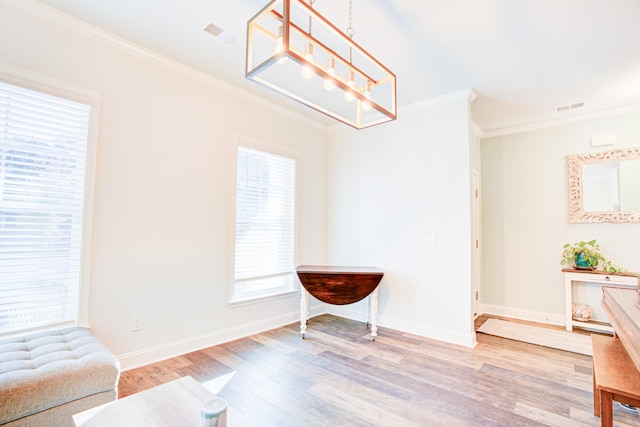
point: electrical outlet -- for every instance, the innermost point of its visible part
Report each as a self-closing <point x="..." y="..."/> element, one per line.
<point x="136" y="323"/>
<point x="429" y="240"/>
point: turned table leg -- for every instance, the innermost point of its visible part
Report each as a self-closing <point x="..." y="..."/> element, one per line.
<point x="304" y="311"/>
<point x="374" y="314"/>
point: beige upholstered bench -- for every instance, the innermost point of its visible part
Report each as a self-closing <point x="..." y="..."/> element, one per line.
<point x="46" y="377"/>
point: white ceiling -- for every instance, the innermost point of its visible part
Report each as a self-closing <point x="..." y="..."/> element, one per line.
<point x="522" y="57"/>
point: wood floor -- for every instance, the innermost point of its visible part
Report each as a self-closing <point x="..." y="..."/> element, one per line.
<point x="338" y="377"/>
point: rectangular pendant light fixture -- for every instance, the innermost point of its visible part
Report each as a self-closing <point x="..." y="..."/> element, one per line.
<point x="294" y="50"/>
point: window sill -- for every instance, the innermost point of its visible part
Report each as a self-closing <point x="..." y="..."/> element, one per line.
<point x="40" y="328"/>
<point x="260" y="299"/>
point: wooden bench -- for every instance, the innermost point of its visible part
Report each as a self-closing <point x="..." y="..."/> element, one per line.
<point x="615" y="377"/>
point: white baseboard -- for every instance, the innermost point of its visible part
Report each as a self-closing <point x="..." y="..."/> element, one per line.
<point x="173" y="349"/>
<point x="452" y="337"/>
<point x="466" y="340"/>
<point x="354" y="312"/>
<point x="520" y="314"/>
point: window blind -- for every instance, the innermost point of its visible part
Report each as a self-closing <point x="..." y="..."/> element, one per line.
<point x="265" y="222"/>
<point x="43" y="149"/>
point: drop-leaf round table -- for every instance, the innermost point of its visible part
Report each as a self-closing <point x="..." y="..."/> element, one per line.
<point x="339" y="286"/>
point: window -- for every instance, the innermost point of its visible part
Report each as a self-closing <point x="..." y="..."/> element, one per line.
<point x="265" y="224"/>
<point x="43" y="161"/>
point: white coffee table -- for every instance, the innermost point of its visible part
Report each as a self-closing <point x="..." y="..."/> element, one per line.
<point x="174" y="404"/>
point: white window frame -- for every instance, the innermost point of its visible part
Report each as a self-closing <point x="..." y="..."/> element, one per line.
<point x="245" y="141"/>
<point x="37" y="82"/>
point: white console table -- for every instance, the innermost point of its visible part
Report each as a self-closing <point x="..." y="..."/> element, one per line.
<point x="596" y="278"/>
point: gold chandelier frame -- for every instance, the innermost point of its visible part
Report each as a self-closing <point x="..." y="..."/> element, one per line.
<point x="294" y="30"/>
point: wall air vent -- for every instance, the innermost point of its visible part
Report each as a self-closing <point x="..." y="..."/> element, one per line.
<point x="569" y="107"/>
<point x="220" y="34"/>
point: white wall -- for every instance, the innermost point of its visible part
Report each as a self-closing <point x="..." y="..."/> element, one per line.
<point x="389" y="187"/>
<point x="525" y="209"/>
<point x="163" y="194"/>
<point x="162" y="223"/>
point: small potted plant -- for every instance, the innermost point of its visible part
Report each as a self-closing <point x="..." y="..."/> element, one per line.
<point x="587" y="255"/>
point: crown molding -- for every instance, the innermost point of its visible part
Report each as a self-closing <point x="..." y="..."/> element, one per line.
<point x="61" y="19"/>
<point x="612" y="112"/>
<point x="68" y="22"/>
<point x="469" y="94"/>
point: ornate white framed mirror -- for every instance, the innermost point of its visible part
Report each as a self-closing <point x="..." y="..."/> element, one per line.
<point x="605" y="186"/>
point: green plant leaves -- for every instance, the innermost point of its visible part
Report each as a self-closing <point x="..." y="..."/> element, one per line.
<point x="590" y="252"/>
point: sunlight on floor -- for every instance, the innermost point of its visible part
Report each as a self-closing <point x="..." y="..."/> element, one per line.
<point x="216" y="384"/>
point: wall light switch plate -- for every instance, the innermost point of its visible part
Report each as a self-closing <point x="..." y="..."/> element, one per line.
<point x="136" y="323"/>
<point x="429" y="240"/>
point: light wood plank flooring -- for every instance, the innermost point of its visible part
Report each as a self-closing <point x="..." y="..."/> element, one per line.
<point x="338" y="377"/>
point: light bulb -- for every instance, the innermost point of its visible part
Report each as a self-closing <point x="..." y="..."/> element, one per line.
<point x="366" y="106"/>
<point x="329" y="84"/>
<point x="348" y="94"/>
<point x="280" y="47"/>
<point x="306" y="71"/>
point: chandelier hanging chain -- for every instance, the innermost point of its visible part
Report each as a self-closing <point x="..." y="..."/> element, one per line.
<point x="350" y="31"/>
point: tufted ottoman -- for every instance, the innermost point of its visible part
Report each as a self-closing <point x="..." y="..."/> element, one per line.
<point x="46" y="377"/>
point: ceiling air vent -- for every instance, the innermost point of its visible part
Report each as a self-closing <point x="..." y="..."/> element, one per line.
<point x="569" y="107"/>
<point x="220" y="34"/>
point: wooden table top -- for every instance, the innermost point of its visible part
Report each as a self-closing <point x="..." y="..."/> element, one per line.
<point x="622" y="307"/>
<point x="339" y="285"/>
<point x="176" y="403"/>
<point x="616" y="371"/>
<point x="602" y="272"/>
<point x="333" y="269"/>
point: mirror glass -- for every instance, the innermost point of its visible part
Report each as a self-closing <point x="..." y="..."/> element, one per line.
<point x="604" y="187"/>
